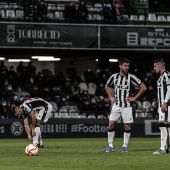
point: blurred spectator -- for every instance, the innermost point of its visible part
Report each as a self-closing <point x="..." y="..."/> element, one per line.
<point x="84" y="95"/>
<point x="3" y="71"/>
<point x="74" y="99"/>
<point x="89" y="76"/>
<point x="45" y="93"/>
<point x="41" y="14"/>
<point x="3" y="109"/>
<point x="119" y="12"/>
<point x="31" y="70"/>
<point x="71" y="13"/>
<point x="75" y="86"/>
<point x="26" y="8"/>
<point x="56" y="96"/>
<point x="106" y="107"/>
<point x="82" y="12"/>
<point x="39" y="80"/>
<point x="71" y="71"/>
<point x="60" y="79"/>
<point x="8" y="93"/>
<point x="12" y="77"/>
<point x="66" y="90"/>
<point x="107" y="14"/>
<point x="85" y="106"/>
<point x="22" y="73"/>
<point x="100" y="90"/>
<point x="95" y="105"/>
<point x="49" y="79"/>
<point x="34" y="91"/>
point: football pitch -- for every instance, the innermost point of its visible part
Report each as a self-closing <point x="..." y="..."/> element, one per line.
<point x="83" y="154"/>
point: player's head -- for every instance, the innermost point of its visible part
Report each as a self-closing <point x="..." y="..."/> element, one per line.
<point x="159" y="66"/>
<point x="17" y="111"/>
<point x="124" y="65"/>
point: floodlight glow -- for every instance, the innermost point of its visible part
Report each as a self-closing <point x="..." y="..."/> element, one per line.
<point x="37" y="57"/>
<point x="18" y="60"/>
<point x="49" y="59"/>
<point x="113" y="60"/>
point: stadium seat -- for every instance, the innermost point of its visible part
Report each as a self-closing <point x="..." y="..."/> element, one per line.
<point x="13" y="6"/>
<point x="152" y="19"/>
<point x="147" y="105"/>
<point x="140" y="110"/>
<point x="161" y="19"/>
<point x="59" y="15"/>
<point x="19" y="14"/>
<point x="92" y="88"/>
<point x="97" y="17"/>
<point x="63" y="114"/>
<point x="100" y="117"/>
<point x="81" y="116"/>
<point x="168" y="19"/>
<point x="56" y="115"/>
<point x="134" y="19"/>
<point x="55" y="107"/>
<point x="91" y="117"/>
<point x="50" y="15"/>
<point x="73" y="114"/>
<point x="142" y="19"/>
<point x="83" y="86"/>
<point x="98" y="7"/>
<point x="3" y="14"/>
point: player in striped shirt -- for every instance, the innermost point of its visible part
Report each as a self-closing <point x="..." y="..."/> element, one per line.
<point x="119" y="89"/>
<point x="39" y="110"/>
<point x="163" y="96"/>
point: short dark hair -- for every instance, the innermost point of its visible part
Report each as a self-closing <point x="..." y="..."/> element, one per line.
<point x="160" y="61"/>
<point x="123" y="60"/>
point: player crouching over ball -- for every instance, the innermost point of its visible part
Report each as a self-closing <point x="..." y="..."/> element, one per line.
<point x="39" y="111"/>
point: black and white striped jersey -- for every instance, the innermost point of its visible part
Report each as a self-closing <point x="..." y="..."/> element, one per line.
<point x="35" y="104"/>
<point x="162" y="83"/>
<point x="122" y="87"/>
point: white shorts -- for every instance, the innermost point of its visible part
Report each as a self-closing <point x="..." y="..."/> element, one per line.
<point x="164" y="116"/>
<point x="124" y="112"/>
<point x="44" y="114"/>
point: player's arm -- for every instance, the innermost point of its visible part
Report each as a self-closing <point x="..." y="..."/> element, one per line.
<point x="109" y="93"/>
<point x="142" y="89"/>
<point x="27" y="128"/>
<point x="167" y="97"/>
<point x="34" y="121"/>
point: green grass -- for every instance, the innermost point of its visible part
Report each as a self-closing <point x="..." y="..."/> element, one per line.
<point x="83" y="154"/>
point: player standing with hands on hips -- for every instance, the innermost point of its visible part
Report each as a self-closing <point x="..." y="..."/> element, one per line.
<point x="163" y="96"/>
<point x="121" y="98"/>
<point x="39" y="110"/>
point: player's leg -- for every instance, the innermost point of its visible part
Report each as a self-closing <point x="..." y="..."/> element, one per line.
<point x="114" y="117"/>
<point x="40" y="141"/>
<point x="37" y="134"/>
<point x="168" y="142"/>
<point x="47" y="113"/>
<point x="168" y="130"/>
<point x="127" y="117"/>
<point x="37" y="137"/>
<point x="163" y="130"/>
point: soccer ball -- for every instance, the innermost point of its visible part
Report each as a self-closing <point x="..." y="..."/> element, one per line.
<point x="31" y="150"/>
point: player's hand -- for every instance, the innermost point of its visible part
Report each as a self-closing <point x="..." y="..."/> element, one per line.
<point x="163" y="107"/>
<point x="33" y="132"/>
<point x="130" y="99"/>
<point x="113" y="100"/>
<point x="30" y="138"/>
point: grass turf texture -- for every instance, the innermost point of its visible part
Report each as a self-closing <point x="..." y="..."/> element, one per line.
<point x="83" y="154"/>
